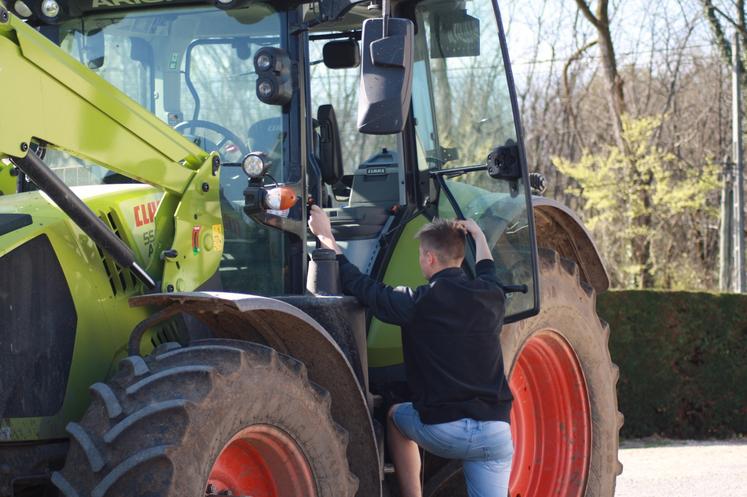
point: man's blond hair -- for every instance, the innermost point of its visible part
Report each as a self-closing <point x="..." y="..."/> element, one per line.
<point x="444" y="238"/>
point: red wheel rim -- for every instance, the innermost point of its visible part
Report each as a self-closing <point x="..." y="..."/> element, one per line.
<point x="261" y="461"/>
<point x="550" y="420"/>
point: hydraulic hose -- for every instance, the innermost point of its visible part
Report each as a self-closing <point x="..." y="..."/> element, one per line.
<point x="48" y="182"/>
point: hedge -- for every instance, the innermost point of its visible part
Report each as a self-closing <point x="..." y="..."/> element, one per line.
<point x="683" y="362"/>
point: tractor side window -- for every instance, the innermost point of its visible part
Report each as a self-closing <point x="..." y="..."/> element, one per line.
<point x="362" y="203"/>
<point x="463" y="110"/>
<point x="219" y="106"/>
<point x="339" y="87"/>
<point x="193" y="67"/>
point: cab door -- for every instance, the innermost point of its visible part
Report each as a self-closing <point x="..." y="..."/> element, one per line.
<point x="469" y="140"/>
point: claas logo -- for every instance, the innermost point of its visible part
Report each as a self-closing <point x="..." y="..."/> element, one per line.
<point x="145" y="213"/>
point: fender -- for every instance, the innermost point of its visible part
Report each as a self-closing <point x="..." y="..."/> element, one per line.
<point x="560" y="229"/>
<point x="293" y="332"/>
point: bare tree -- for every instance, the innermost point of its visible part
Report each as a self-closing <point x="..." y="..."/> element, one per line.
<point x="601" y="22"/>
<point x="658" y="73"/>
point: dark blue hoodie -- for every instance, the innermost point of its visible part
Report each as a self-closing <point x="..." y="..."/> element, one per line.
<point x="450" y="338"/>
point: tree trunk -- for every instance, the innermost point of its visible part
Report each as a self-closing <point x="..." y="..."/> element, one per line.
<point x="640" y="244"/>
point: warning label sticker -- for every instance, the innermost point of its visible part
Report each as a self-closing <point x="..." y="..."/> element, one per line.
<point x="217" y="237"/>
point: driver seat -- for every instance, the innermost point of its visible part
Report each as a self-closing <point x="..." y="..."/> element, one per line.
<point x="330" y="150"/>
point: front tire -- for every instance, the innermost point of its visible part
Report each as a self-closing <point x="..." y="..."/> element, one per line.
<point x="217" y="416"/>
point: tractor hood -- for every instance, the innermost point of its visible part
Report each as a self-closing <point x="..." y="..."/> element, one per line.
<point x="128" y="210"/>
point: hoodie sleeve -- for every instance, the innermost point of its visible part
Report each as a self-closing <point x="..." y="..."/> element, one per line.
<point x="391" y="305"/>
<point x="485" y="270"/>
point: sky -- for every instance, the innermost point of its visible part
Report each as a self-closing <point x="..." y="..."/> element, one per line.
<point x="641" y="29"/>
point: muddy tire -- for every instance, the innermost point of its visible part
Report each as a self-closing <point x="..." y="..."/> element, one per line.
<point x="560" y="360"/>
<point x="564" y="420"/>
<point x="217" y="415"/>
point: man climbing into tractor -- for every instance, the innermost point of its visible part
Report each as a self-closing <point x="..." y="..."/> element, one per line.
<point x="450" y="334"/>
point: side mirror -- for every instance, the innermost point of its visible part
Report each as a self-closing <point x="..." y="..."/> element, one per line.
<point x="504" y="163"/>
<point x="341" y="54"/>
<point x="386" y="75"/>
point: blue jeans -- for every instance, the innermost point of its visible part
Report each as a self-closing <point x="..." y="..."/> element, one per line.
<point x="485" y="447"/>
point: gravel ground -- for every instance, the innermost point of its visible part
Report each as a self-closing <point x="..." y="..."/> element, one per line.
<point x="668" y="468"/>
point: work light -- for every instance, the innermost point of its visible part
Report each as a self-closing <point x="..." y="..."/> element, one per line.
<point x="50" y="8"/>
<point x="255" y="164"/>
<point x="274" y="85"/>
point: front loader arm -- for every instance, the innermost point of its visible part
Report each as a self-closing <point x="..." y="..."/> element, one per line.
<point x="48" y="97"/>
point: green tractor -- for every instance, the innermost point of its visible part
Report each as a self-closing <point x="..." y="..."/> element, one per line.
<point x="166" y="325"/>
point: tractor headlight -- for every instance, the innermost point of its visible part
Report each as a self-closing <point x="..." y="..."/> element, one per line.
<point x="255" y="164"/>
<point x="265" y="89"/>
<point x="50" y="8"/>
<point x="264" y="62"/>
<point x="274" y="86"/>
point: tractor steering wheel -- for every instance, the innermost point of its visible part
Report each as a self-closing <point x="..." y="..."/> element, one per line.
<point x="227" y="136"/>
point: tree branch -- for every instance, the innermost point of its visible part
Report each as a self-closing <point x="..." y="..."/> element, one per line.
<point x="717" y="29"/>
<point x="584" y="8"/>
<point x="567" y="86"/>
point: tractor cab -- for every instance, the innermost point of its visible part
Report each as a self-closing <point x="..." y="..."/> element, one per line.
<point x="284" y="82"/>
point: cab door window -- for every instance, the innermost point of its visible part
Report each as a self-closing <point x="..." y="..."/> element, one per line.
<point x="463" y="108"/>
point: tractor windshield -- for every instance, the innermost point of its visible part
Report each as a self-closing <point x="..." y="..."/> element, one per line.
<point x="193" y="68"/>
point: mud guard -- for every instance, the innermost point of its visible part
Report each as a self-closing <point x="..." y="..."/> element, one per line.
<point x="560" y="229"/>
<point x="293" y="332"/>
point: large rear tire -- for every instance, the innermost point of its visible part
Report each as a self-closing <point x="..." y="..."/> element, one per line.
<point x="564" y="420"/>
<point x="220" y="415"/>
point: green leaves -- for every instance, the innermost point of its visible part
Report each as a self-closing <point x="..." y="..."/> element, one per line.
<point x="639" y="200"/>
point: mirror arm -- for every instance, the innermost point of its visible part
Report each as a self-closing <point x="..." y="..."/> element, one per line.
<point x="453" y="172"/>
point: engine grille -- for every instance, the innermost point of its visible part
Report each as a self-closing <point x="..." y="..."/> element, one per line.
<point x="37" y="331"/>
<point x="121" y="280"/>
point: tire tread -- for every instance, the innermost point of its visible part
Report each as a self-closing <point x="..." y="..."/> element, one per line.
<point x="85" y="442"/>
<point x="137" y="396"/>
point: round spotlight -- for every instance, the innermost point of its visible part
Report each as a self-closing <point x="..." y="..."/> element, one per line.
<point x="264" y="62"/>
<point x="265" y="89"/>
<point x="255" y="164"/>
<point x="274" y="85"/>
<point x="22" y="9"/>
<point x="50" y="8"/>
